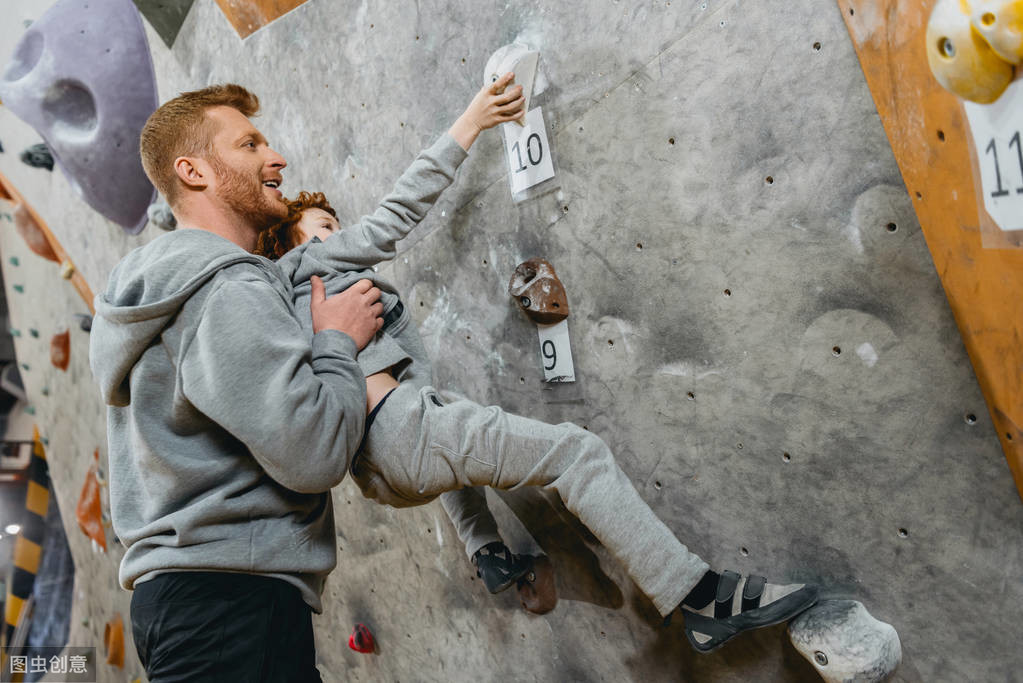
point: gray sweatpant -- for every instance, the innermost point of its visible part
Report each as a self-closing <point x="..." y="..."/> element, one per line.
<point x="421" y="446"/>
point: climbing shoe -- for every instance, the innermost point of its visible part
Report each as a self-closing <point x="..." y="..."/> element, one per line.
<point x="738" y="604"/>
<point x="499" y="567"/>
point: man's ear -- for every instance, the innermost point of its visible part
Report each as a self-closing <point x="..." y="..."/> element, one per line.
<point x="192" y="172"/>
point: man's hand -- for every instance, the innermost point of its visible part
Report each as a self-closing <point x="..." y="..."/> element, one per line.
<point x="355" y="311"/>
<point x="495" y="103"/>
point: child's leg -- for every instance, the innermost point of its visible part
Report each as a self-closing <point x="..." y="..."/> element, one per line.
<point x="467" y="508"/>
<point x="423" y="447"/>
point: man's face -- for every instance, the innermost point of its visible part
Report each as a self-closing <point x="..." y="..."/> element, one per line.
<point x="246" y="170"/>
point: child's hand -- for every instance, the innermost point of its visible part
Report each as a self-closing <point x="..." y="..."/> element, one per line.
<point x="495" y="103"/>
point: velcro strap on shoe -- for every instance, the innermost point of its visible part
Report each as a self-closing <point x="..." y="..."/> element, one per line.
<point x="752" y="592"/>
<point x="726" y="593"/>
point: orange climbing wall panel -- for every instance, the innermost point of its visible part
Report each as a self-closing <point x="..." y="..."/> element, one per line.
<point x="10" y="194"/>
<point x="928" y="132"/>
<point x="248" y="16"/>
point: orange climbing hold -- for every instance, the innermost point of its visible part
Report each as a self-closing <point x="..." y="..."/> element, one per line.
<point x="60" y="350"/>
<point x="90" y="508"/>
<point x="26" y="225"/>
<point x="113" y="641"/>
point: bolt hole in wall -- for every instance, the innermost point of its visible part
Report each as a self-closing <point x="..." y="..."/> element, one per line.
<point x="817" y="47"/>
<point x="941" y="135"/>
<point x="786" y="457"/>
<point x="744" y="552"/>
<point x="639" y="246"/>
<point x="891" y="227"/>
<point x="657" y="485"/>
<point x="971" y="419"/>
<point x="671" y="141"/>
<point x="836" y="351"/>
<point x="691" y="396"/>
<point x="769" y="180"/>
<point x="728" y="292"/>
<point x="903" y="533"/>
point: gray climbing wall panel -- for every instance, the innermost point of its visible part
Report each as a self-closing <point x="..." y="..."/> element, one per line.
<point x="757" y="329"/>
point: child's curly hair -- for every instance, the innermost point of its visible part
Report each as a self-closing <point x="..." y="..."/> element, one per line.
<point x="281" y="238"/>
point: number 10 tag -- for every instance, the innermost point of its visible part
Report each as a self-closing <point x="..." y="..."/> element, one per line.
<point x="556" y="352"/>
<point x="529" y="154"/>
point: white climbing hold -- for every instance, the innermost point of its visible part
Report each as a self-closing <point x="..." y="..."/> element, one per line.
<point x="845" y="643"/>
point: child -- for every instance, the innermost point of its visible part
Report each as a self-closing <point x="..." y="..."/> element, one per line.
<point x="311" y="217"/>
<point x="418" y="445"/>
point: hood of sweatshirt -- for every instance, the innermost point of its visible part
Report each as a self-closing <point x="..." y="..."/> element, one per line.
<point x="146" y="289"/>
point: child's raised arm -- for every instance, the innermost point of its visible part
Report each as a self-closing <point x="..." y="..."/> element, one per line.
<point x="374" y="237"/>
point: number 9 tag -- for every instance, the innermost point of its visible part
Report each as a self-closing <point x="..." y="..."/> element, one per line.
<point x="528" y="153"/>
<point x="556" y="352"/>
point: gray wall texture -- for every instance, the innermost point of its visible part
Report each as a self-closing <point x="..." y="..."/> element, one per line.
<point x="757" y="326"/>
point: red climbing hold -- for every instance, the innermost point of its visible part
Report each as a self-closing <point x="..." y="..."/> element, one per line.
<point x="361" y="639"/>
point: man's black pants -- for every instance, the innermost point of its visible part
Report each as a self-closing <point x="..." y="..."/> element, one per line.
<point x="221" y="626"/>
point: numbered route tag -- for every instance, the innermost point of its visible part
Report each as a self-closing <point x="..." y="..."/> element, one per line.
<point x="996" y="132"/>
<point x="556" y="352"/>
<point x="529" y="154"/>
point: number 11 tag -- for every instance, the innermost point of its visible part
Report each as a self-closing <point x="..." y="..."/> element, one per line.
<point x="556" y="352"/>
<point x="996" y="130"/>
<point x="528" y="153"/>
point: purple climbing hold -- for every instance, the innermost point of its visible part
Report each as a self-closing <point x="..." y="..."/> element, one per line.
<point x="82" y="76"/>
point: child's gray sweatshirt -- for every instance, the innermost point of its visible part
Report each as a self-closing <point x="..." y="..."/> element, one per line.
<point x="228" y="421"/>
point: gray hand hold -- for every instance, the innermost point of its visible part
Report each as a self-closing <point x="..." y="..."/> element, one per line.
<point x="845" y="643"/>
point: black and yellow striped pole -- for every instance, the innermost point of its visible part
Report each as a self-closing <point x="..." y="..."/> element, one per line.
<point x="28" y="547"/>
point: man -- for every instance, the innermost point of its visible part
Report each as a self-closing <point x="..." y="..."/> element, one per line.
<point x="227" y="426"/>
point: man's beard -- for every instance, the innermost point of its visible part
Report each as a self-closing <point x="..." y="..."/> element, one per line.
<point x="246" y="197"/>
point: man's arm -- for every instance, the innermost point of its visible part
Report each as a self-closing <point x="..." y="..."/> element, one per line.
<point x="373" y="238"/>
<point x="300" y="409"/>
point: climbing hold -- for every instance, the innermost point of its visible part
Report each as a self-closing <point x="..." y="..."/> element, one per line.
<point x="32" y="331"/>
<point x="38" y="156"/>
<point x="67" y="270"/>
<point x="90" y="508"/>
<point x="14" y="261"/>
<point x="20" y="289"/>
<point x="60" y="350"/>
<point x="1001" y="24"/>
<point x="361" y="640"/>
<point x="45" y="391"/>
<point x="82" y="76"/>
<point x="538" y="291"/>
<point x="960" y="58"/>
<point x="1" y="148"/>
<point x="520" y="60"/>
<point x="845" y="643"/>
<point x="537" y="591"/>
<point x="84" y="321"/>
<point x="161" y="216"/>
<point x="32" y="233"/>
<point x="113" y="641"/>
<point x="30" y="410"/>
<point x="15" y="332"/>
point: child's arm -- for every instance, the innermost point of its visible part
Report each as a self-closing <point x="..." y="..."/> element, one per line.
<point x="373" y="238"/>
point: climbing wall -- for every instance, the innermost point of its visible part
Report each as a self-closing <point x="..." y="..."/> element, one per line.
<point x="757" y="330"/>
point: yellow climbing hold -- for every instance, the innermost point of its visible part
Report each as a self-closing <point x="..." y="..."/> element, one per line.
<point x="1001" y="24"/>
<point x="960" y="57"/>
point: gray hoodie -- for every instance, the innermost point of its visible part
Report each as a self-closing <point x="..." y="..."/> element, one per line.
<point x="229" y="420"/>
<point x="228" y="423"/>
